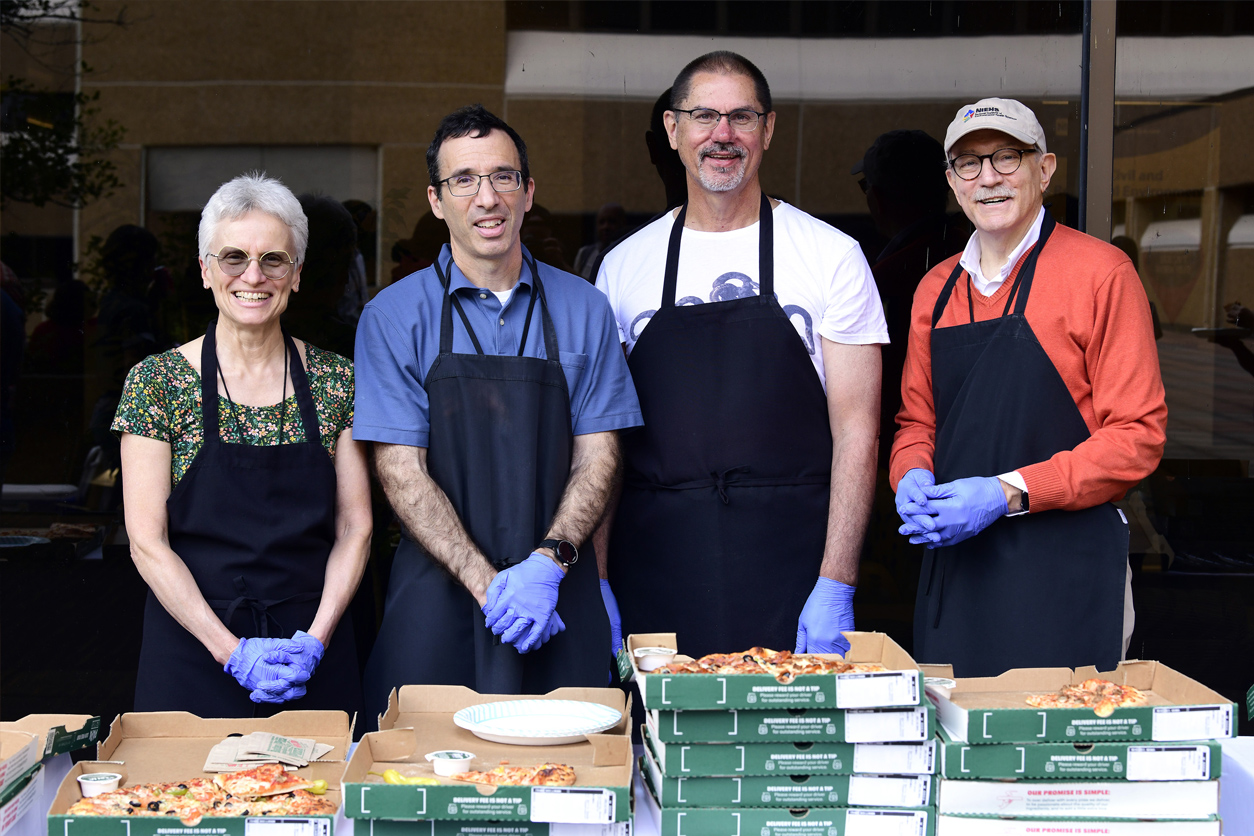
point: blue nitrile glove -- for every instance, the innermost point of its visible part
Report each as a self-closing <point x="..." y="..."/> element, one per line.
<point x="521" y="626"/>
<point x="311" y="651"/>
<point x="616" y="620"/>
<point x="828" y="612"/>
<point x="911" y="500"/>
<point x="276" y="691"/>
<point x="525" y="591"/>
<point x="255" y="661"/>
<point x="965" y="507"/>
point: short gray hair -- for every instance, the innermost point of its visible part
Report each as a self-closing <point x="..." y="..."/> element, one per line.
<point x="254" y="192"/>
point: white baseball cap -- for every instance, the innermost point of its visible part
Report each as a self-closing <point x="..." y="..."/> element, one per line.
<point x="1005" y="115"/>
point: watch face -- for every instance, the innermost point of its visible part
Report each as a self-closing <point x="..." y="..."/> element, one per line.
<point x="566" y="551"/>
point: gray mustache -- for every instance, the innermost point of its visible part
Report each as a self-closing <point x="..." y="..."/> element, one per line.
<point x="720" y="148"/>
<point x="998" y="191"/>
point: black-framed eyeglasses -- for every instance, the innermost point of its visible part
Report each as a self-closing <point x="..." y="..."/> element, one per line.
<point x="1004" y="160"/>
<point x="744" y="119"/>
<point x="465" y="185"/>
<point x="233" y="262"/>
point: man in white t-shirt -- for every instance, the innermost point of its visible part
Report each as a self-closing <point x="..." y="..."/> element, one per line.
<point x="753" y="333"/>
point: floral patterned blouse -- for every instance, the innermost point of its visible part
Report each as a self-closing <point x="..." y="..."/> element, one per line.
<point x="161" y="400"/>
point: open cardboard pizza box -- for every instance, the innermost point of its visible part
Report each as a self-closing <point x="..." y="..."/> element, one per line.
<point x="419" y="720"/>
<point x="19" y="752"/>
<point x="163" y="746"/>
<point x="901" y="684"/>
<point x="994" y="709"/>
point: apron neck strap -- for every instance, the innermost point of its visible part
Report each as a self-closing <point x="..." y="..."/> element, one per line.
<point x="451" y="302"/>
<point x="209" y="387"/>
<point x="1023" y="281"/>
<point x="209" y="382"/>
<point x="304" y="395"/>
<point x="1018" y="292"/>
<point x="766" y="253"/>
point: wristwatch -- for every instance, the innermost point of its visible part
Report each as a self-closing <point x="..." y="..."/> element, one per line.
<point x="1023" y="504"/>
<point x="563" y="550"/>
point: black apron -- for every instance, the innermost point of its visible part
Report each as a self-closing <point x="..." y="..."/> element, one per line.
<point x="720" y="531"/>
<point x="500" y="449"/>
<point x="255" y="525"/>
<point x="1041" y="590"/>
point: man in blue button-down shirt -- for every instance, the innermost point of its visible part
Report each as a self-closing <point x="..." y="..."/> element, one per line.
<point x="498" y="461"/>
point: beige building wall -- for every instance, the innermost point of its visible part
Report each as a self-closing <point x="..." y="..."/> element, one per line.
<point x="292" y="72"/>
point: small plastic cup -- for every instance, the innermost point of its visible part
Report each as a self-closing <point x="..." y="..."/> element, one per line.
<point x="652" y="658"/>
<point x="92" y="784"/>
<point x="450" y="761"/>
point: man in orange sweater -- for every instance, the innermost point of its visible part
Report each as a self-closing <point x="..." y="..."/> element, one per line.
<point x="1031" y="398"/>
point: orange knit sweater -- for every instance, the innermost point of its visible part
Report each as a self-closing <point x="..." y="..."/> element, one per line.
<point x="1089" y="311"/>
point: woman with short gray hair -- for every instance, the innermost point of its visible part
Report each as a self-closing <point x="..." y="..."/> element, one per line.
<point x="247" y="502"/>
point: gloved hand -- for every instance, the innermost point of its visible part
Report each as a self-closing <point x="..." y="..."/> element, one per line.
<point x="525" y="591"/>
<point x="911" y="499"/>
<point x="828" y="612"/>
<point x="255" y="661"/>
<point x="277" y="691"/>
<point x="521" y="626"/>
<point x="616" y="620"/>
<point x="965" y="507"/>
<point x="310" y="653"/>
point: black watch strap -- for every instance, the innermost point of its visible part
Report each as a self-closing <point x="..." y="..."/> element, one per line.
<point x="563" y="550"/>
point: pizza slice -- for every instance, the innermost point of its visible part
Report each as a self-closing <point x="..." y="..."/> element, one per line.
<point x="543" y="775"/>
<point x="267" y="779"/>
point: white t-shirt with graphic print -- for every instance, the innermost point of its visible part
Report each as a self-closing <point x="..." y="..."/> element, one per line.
<point x="822" y="280"/>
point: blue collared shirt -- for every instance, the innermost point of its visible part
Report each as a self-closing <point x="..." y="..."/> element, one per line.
<point x="398" y="339"/>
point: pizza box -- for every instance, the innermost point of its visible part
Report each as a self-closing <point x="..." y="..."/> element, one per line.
<point x="993" y="709"/>
<point x="1196" y="761"/>
<point x="420" y="720"/>
<point x="791" y="791"/>
<point x="435" y="827"/>
<point x="21" y="796"/>
<point x="19" y="751"/>
<point x="900" y="685"/>
<point x="1091" y="799"/>
<point x="975" y="826"/>
<point x="766" y="821"/>
<point x="161" y="746"/>
<point x="60" y="732"/>
<point x="913" y="724"/>
<point x="684" y="760"/>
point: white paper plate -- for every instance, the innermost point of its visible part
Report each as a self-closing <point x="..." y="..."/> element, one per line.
<point x="537" y="722"/>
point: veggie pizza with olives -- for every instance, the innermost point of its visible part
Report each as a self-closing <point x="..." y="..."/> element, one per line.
<point x="267" y="790"/>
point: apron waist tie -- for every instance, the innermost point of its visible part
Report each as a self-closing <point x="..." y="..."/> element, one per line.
<point x="262" y="617"/>
<point x="719" y="480"/>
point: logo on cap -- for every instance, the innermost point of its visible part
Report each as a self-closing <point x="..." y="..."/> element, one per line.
<point x="966" y="117"/>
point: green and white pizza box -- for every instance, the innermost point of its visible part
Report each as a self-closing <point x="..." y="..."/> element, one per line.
<point x="19" y="752"/>
<point x="994" y="709"/>
<point x="60" y="732"/>
<point x="947" y="825"/>
<point x="767" y="821"/>
<point x="424" y="723"/>
<point x="1090" y="799"/>
<point x="20" y="796"/>
<point x="912" y="724"/>
<point x="1138" y="761"/>
<point x="766" y="759"/>
<point x="790" y="791"/>
<point x="900" y="685"/>
<point x="436" y="827"/>
<point x="164" y="746"/>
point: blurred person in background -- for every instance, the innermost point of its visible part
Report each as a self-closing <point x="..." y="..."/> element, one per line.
<point x="317" y="313"/>
<point x="247" y="502"/>
<point x="611" y="222"/>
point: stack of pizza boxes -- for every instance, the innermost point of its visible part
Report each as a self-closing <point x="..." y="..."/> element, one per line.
<point x="27" y="750"/>
<point x="1009" y="768"/>
<point x="391" y="785"/>
<point x="852" y="754"/>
